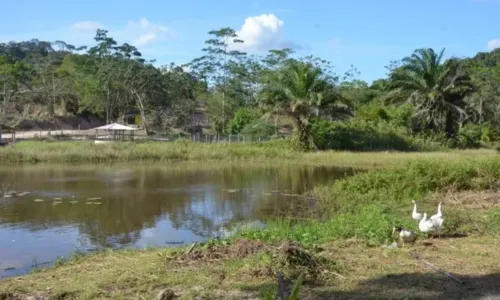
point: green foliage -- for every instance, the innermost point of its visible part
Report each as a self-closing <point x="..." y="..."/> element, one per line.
<point x="220" y="109"/>
<point x="297" y="90"/>
<point x="436" y="89"/>
<point x="424" y="95"/>
<point x="259" y="129"/>
<point x="242" y="117"/>
<point x="359" y="135"/>
<point x="469" y="136"/>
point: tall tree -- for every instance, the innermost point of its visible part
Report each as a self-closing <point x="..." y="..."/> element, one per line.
<point x="299" y="90"/>
<point x="12" y="75"/>
<point x="435" y="88"/>
<point x="215" y="66"/>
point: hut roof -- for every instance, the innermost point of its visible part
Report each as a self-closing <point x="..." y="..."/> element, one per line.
<point x="114" y="126"/>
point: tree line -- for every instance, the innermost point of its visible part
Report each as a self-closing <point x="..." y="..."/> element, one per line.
<point x="423" y="98"/>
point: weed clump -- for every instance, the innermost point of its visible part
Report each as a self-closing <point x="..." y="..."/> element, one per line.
<point x="240" y="249"/>
<point x="294" y="260"/>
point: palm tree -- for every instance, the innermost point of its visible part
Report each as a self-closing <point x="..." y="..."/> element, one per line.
<point x="299" y="90"/>
<point x="435" y="89"/>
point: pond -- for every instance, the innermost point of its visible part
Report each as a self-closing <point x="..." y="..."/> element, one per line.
<point x="50" y="211"/>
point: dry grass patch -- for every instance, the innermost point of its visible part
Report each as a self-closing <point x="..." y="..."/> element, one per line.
<point x="378" y="273"/>
<point x="473" y="200"/>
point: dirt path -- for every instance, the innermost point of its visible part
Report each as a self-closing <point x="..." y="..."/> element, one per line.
<point x="42" y="133"/>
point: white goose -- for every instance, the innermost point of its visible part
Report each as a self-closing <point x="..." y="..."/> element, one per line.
<point x="430" y="225"/>
<point x="405" y="235"/>
<point x="439" y="214"/>
<point x="415" y="215"/>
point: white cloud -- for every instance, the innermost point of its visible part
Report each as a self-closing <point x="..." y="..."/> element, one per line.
<point x="262" y="33"/>
<point x="87" y="26"/>
<point x="144" y="31"/>
<point x="145" y="39"/>
<point x="493" y="44"/>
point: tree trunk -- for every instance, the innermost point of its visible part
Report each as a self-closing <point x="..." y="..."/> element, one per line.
<point x="140" y="105"/>
<point x="107" y="106"/>
<point x="52" y="105"/>
<point x="450" y="126"/>
<point x="4" y="97"/>
<point x="303" y="134"/>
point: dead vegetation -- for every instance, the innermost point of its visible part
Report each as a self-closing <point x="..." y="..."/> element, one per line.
<point x="238" y="249"/>
<point x="288" y="257"/>
<point x="471" y="200"/>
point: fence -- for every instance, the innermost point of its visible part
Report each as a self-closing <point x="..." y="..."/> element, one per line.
<point x="140" y="135"/>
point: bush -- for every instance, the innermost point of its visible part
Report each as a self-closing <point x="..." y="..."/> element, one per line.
<point x="469" y="136"/>
<point x="359" y="135"/>
<point x="241" y="119"/>
<point x="258" y="129"/>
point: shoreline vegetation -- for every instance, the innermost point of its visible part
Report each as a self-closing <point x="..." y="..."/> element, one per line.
<point x="85" y="152"/>
<point x="336" y="243"/>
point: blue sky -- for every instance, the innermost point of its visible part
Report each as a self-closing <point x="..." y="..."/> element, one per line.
<point x="367" y="34"/>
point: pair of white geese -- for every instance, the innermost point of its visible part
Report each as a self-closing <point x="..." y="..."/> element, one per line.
<point x="431" y="225"/>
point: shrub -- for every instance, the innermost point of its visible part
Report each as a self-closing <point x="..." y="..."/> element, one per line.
<point x="469" y="136"/>
<point x="359" y="135"/>
<point x="241" y="119"/>
<point x="258" y="129"/>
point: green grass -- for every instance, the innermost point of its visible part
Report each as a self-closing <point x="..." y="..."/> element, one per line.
<point x="88" y="152"/>
<point x="366" y="206"/>
<point x="279" y="150"/>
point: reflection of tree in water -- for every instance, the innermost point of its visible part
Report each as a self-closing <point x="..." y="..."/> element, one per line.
<point x="135" y="199"/>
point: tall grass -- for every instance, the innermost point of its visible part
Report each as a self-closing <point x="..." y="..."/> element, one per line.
<point x="368" y="205"/>
<point x="72" y="152"/>
<point x="87" y="152"/>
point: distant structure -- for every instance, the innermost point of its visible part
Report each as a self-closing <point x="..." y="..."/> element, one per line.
<point x="114" y="132"/>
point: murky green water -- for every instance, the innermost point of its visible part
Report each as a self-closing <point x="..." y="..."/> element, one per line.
<point x="52" y="211"/>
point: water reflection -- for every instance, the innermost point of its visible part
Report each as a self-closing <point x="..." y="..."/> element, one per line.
<point x="140" y="206"/>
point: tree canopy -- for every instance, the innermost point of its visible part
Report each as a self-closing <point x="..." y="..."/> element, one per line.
<point x="422" y="94"/>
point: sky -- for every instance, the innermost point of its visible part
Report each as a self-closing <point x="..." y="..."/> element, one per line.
<point x="365" y="33"/>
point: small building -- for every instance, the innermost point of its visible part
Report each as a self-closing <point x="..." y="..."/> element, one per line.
<point x="114" y="132"/>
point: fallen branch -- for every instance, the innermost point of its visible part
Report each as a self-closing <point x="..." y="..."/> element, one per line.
<point x="191" y="248"/>
<point x="436" y="268"/>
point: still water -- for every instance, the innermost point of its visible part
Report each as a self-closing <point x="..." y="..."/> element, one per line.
<point x="53" y="211"/>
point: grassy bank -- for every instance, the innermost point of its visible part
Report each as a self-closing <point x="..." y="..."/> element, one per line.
<point x="348" y="270"/>
<point x="366" y="205"/>
<point x="339" y="239"/>
<point x="87" y="152"/>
